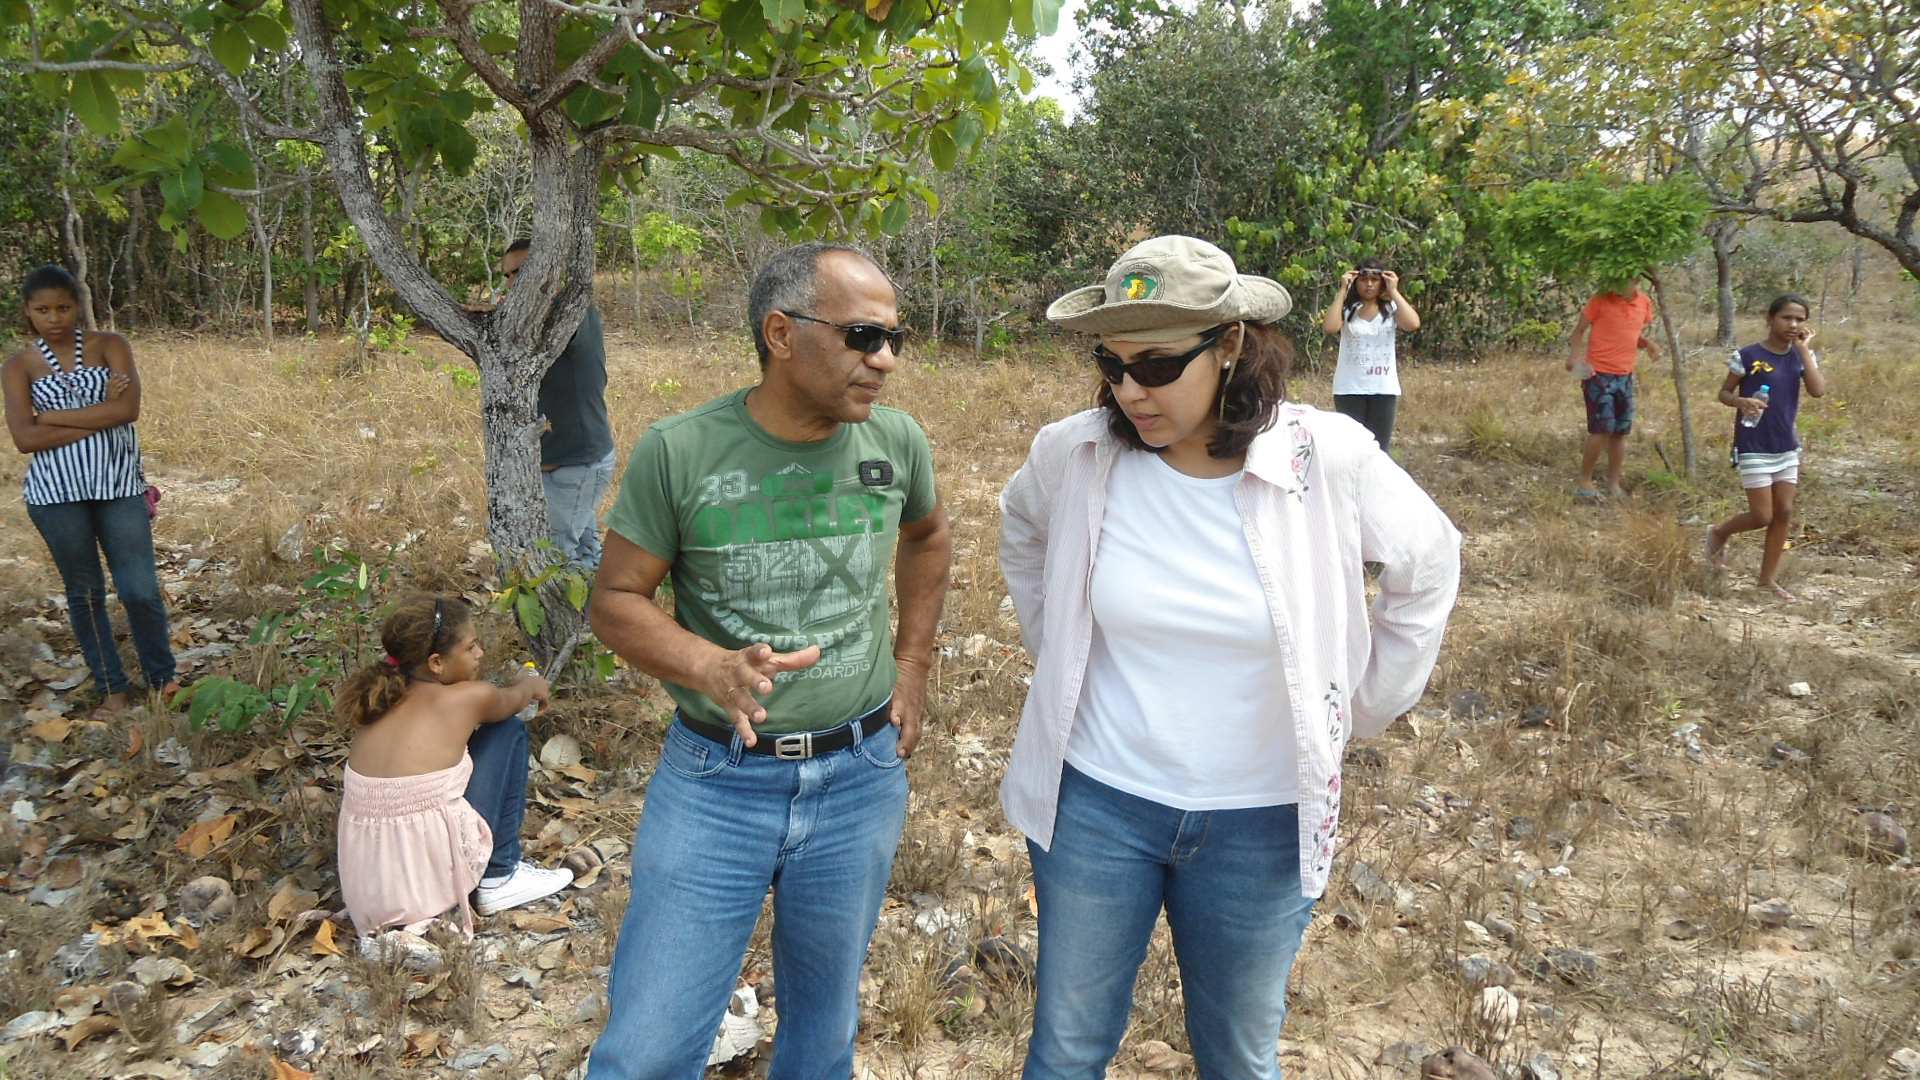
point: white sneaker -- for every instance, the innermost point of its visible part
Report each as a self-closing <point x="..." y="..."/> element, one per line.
<point x="526" y="884"/>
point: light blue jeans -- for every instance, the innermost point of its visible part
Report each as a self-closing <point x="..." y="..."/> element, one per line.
<point x="1230" y="883"/>
<point x="721" y="827"/>
<point x="573" y="510"/>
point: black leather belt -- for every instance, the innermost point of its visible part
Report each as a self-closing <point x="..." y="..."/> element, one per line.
<point x="799" y="745"/>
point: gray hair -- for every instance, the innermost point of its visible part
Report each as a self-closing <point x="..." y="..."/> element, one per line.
<point x="789" y="282"/>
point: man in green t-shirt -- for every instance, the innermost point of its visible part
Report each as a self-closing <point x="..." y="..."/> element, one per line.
<point x="778" y="511"/>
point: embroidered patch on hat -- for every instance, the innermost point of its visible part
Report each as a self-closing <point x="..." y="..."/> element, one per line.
<point x="1139" y="285"/>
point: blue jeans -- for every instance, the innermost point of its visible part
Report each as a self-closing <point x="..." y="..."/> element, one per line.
<point x="1230" y="882"/>
<point x="720" y="827"/>
<point x="498" y="787"/>
<point x="76" y="533"/>
<point x="573" y="510"/>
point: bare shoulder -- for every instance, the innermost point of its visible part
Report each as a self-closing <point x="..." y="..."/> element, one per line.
<point x="106" y="343"/>
<point x="466" y="702"/>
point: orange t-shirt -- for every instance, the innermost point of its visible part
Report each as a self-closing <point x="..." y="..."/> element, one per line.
<point x="1618" y="321"/>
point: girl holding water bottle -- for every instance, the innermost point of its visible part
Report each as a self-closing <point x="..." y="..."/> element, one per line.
<point x="1763" y="388"/>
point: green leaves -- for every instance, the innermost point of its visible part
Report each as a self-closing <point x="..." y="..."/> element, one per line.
<point x="1602" y="233"/>
<point x="232" y="47"/>
<point x="987" y="20"/>
<point x="95" y="103"/>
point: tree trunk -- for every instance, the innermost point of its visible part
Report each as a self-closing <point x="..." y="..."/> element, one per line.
<point x="310" y="286"/>
<point x="515" y="343"/>
<point x="1688" y="455"/>
<point x="72" y="228"/>
<point x="1725" y="231"/>
<point x="142" y="264"/>
<point x="265" y="247"/>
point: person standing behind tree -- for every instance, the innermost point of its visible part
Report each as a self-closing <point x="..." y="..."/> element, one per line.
<point x="778" y="510"/>
<point x="1603" y="351"/>
<point x="1368" y="314"/>
<point x="71" y="400"/>
<point x="576" y="446"/>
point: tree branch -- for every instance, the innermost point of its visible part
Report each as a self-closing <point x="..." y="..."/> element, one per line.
<point x="344" y="144"/>
<point x="460" y="31"/>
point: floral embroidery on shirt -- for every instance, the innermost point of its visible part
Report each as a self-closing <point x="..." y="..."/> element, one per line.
<point x="1302" y="453"/>
<point x="1336" y="738"/>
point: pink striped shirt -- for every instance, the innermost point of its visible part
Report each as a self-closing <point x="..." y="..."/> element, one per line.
<point x="1317" y="500"/>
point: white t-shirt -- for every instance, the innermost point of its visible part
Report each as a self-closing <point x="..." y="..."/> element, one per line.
<point x="1366" y="357"/>
<point x="1185" y="699"/>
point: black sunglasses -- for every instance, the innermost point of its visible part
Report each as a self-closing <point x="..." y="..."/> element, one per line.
<point x="1154" y="370"/>
<point x="862" y="337"/>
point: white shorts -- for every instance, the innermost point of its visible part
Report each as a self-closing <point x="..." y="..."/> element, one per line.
<point x="1765" y="470"/>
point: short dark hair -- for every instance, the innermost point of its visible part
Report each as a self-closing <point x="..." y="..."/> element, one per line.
<point x="519" y="244"/>
<point x="49" y="277"/>
<point x="1253" y="392"/>
<point x="787" y="282"/>
<point x="1789" y="298"/>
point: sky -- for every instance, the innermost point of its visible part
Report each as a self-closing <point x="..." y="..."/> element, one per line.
<point x="1055" y="50"/>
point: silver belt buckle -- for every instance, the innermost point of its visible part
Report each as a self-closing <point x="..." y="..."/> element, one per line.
<point x="794" y="747"/>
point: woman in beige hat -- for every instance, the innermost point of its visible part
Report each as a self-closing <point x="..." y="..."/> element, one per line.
<point x="1185" y="561"/>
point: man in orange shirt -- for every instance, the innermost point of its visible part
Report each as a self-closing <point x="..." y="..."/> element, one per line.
<point x="1605" y="346"/>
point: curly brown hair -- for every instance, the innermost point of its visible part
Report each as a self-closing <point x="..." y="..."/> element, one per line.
<point x="421" y="626"/>
<point x="1253" y="391"/>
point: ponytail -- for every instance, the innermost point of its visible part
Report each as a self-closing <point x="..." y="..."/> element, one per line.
<point x="421" y="626"/>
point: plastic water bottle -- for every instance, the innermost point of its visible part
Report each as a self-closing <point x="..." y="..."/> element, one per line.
<point x="532" y="710"/>
<point x="1763" y="394"/>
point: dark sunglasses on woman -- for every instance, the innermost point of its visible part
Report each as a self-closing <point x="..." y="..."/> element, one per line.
<point x="862" y="337"/>
<point x="1154" y="370"/>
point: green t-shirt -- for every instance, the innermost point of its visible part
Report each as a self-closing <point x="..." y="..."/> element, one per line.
<point x="782" y="542"/>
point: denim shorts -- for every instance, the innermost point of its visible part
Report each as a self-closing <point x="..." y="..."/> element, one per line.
<point x="1609" y="403"/>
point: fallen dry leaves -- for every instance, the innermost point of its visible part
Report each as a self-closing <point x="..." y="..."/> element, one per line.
<point x="98" y="1024"/>
<point x="283" y="1071"/>
<point x="201" y="839"/>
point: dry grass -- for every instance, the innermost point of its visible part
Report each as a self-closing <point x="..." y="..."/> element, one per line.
<point x="1547" y="782"/>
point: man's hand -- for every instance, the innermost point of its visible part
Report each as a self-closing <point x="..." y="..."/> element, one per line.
<point x="909" y="702"/>
<point x="736" y="681"/>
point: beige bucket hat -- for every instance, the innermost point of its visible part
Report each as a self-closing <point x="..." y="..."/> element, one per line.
<point x="1168" y="288"/>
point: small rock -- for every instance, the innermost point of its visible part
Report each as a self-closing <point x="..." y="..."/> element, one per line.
<point x="1539" y="1067"/>
<point x="1906" y="1061"/>
<point x="1476" y="932"/>
<point x="1536" y="716"/>
<point x="1500" y="928"/>
<point x="206" y="900"/>
<point x="1456" y="1063"/>
<point x="1799" y="689"/>
<point x="1470" y="705"/>
<point x="1367" y="757"/>
<point x="1773" y="913"/>
<point x="998" y="958"/>
<point x="1575" y="967"/>
<point x="1402" y="1055"/>
<point x="296" y="1044"/>
<point x="157" y="970"/>
<point x="410" y="951"/>
<point x="27" y="1025"/>
<point x="1522" y="828"/>
<point x="1152" y="1055"/>
<point x="1498" y="1009"/>
<point x="124" y="996"/>
<point x="1881" y="837"/>
<point x="1479" y="971"/>
<point x="1348" y="919"/>
<point x="480" y="1057"/>
<point x="1790" y="754"/>
<point x="292" y="545"/>
<point x="1681" y="930"/>
<point x="592" y="1008"/>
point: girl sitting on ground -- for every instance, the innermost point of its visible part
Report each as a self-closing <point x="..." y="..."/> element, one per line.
<point x="1766" y="449"/>
<point x="436" y="782"/>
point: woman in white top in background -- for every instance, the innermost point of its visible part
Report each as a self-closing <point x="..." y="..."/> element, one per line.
<point x="1186" y="563"/>
<point x="1368" y="315"/>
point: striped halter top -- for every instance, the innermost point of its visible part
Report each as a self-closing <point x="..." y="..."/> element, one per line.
<point x="105" y="464"/>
